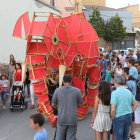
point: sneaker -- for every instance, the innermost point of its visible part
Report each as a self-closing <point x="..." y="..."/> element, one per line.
<point x="13" y="100"/>
<point x="3" y="107"/>
<point x="18" y="100"/>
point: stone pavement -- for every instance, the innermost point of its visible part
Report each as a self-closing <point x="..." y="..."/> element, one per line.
<point x="16" y="125"/>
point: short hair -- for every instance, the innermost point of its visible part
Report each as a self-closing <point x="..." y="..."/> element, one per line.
<point x="120" y="80"/>
<point x="131" y="61"/>
<point x="126" y="70"/>
<point x="119" y="64"/>
<point x="67" y="78"/>
<point x="138" y="68"/>
<point x="138" y="62"/>
<point x="122" y="51"/>
<point x="101" y="55"/>
<point x="113" y="55"/>
<point x="54" y="69"/>
<point x="38" y="118"/>
<point x="3" y="75"/>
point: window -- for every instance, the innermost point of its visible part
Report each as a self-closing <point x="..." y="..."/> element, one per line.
<point x="69" y="10"/>
<point x="52" y="3"/>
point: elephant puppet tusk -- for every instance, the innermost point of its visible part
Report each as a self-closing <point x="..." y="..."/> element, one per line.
<point x="24" y="69"/>
<point x="62" y="69"/>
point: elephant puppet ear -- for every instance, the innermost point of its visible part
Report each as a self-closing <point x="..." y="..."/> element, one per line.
<point x="62" y="69"/>
<point x="24" y="69"/>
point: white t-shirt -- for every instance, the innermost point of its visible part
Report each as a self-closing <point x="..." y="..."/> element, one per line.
<point x="135" y="56"/>
<point x="122" y="58"/>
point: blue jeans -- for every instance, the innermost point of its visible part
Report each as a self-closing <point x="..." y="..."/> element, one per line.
<point x="3" y="95"/>
<point x="121" y="126"/>
<point x="68" y="130"/>
<point x="102" y="73"/>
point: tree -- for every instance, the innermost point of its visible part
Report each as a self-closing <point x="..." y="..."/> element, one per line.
<point x="114" y="29"/>
<point x="97" y="22"/>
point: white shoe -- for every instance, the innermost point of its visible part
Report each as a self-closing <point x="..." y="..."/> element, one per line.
<point x="3" y="107"/>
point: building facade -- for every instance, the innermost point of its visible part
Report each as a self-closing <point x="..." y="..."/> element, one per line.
<point x="64" y="6"/>
<point x="10" y="13"/>
<point x="135" y="14"/>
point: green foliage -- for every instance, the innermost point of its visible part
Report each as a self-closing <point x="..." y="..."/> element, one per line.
<point x="114" y="29"/>
<point x="97" y="22"/>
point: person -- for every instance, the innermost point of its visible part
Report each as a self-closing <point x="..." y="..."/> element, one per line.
<point x="11" y="71"/>
<point x="118" y="70"/>
<point x="108" y="74"/>
<point x="134" y="56"/>
<point x="104" y="53"/>
<point x="12" y="58"/>
<point x="27" y="82"/>
<point x="113" y="66"/>
<point x="101" y="121"/>
<point x="137" y="64"/>
<point x="17" y="93"/>
<point x="5" y="88"/>
<point x="138" y="55"/>
<point x="131" y="85"/>
<point x="126" y="61"/>
<point x="8" y="92"/>
<point x="36" y="122"/>
<point x="133" y="73"/>
<point x="108" y="59"/>
<point x="53" y="83"/>
<point x="137" y="111"/>
<point x="123" y="103"/>
<point x="103" y="63"/>
<point x="1" y="68"/>
<point x="17" y="75"/>
<point x="122" y="58"/>
<point x="67" y="99"/>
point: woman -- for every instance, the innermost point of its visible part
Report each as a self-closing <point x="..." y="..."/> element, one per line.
<point x="101" y="121"/>
<point x="5" y="88"/>
<point x="52" y="83"/>
<point x="108" y="59"/>
<point x="12" y="58"/>
<point x="17" y="75"/>
<point x="118" y="70"/>
<point x="11" y="71"/>
<point x="113" y="65"/>
<point x="104" y="53"/>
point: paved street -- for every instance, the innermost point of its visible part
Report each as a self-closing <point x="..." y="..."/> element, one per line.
<point x="15" y="125"/>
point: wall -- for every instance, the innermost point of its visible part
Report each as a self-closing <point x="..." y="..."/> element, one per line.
<point x="61" y="4"/>
<point x="102" y="43"/>
<point x="90" y="2"/>
<point x="10" y="11"/>
<point x="136" y="15"/>
<point x="126" y="16"/>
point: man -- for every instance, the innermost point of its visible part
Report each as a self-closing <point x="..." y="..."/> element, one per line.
<point x="67" y="100"/>
<point x="138" y="55"/>
<point x="122" y="58"/>
<point x="137" y="64"/>
<point x="103" y="63"/>
<point x="52" y="83"/>
<point x="134" y="56"/>
<point x="123" y="103"/>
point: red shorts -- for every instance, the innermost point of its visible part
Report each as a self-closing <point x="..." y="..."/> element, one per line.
<point x="18" y="95"/>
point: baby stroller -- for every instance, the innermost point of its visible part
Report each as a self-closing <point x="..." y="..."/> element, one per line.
<point x="22" y="101"/>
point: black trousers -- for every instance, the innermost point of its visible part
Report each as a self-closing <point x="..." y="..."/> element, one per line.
<point x="54" y="110"/>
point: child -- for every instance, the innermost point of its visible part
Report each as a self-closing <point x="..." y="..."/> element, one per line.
<point x="133" y="73"/>
<point x="17" y="93"/>
<point x="4" y="84"/>
<point x="108" y="74"/>
<point x="36" y="122"/>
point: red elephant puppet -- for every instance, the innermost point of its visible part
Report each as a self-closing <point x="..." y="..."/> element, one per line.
<point x="68" y="43"/>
